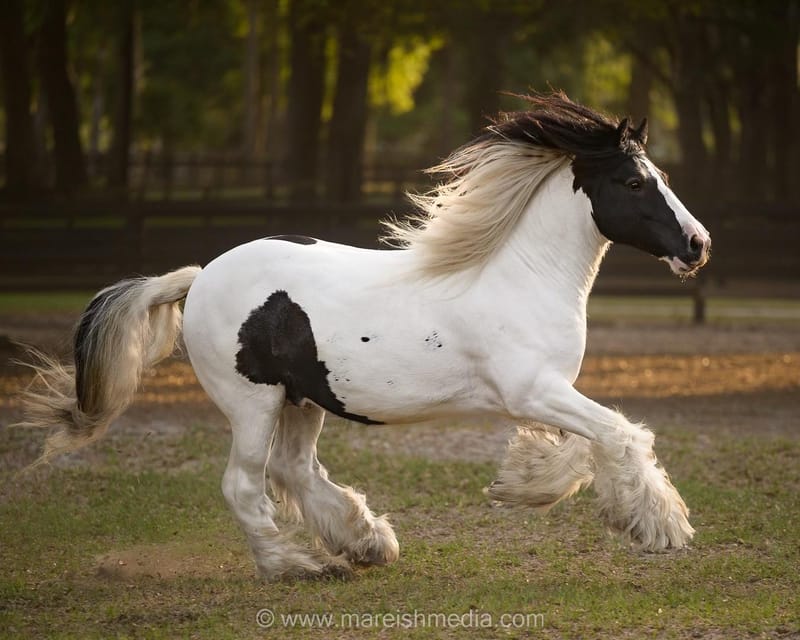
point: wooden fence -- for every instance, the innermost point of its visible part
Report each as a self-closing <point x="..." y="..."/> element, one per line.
<point x="84" y="246"/>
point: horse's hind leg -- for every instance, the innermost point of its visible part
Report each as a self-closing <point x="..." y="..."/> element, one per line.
<point x="543" y="466"/>
<point x="336" y="515"/>
<point x="253" y="422"/>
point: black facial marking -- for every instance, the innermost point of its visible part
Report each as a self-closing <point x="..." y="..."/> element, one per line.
<point x="278" y="347"/>
<point x="627" y="205"/>
<point x="364" y="339"/>
<point x="294" y="238"/>
<point x="606" y="154"/>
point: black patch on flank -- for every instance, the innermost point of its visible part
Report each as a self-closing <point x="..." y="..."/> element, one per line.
<point x="294" y="238"/>
<point x="278" y="347"/>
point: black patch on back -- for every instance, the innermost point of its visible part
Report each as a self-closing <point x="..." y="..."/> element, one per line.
<point x="278" y="347"/>
<point x="294" y="238"/>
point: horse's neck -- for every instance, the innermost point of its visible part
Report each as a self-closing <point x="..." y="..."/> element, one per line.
<point x="556" y="240"/>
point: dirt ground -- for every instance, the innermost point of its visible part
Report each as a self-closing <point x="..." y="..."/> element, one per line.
<point x="720" y="380"/>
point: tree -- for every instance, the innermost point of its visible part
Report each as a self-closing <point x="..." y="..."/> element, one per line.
<point x="252" y="93"/>
<point x="70" y="162"/>
<point x="686" y="54"/>
<point x="348" y="124"/>
<point x="20" y="153"/>
<point x="123" y="111"/>
<point x="307" y="32"/>
<point x="484" y="65"/>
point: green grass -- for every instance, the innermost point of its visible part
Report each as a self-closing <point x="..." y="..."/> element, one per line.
<point x="45" y="302"/>
<point x="719" y="309"/>
<point x="459" y="554"/>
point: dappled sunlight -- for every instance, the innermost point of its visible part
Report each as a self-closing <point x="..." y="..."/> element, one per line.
<point x="699" y="375"/>
<point x="630" y="376"/>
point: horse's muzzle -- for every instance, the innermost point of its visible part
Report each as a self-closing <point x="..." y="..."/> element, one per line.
<point x="699" y="250"/>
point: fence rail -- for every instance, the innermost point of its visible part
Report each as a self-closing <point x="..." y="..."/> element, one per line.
<point x="88" y="245"/>
<point x="216" y="176"/>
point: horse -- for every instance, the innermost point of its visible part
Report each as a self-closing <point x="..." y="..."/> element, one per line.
<point x="478" y="311"/>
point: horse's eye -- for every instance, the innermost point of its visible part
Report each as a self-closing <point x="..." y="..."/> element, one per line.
<point x="634" y="184"/>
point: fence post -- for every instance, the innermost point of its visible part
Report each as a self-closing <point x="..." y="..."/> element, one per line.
<point x="135" y="224"/>
<point x="269" y="185"/>
<point x="698" y="302"/>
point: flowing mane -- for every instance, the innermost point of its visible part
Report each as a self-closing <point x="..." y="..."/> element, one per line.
<point x="462" y="221"/>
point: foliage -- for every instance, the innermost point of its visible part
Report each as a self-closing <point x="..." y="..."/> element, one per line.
<point x="183" y="89"/>
<point x="214" y="76"/>
<point x="394" y="83"/>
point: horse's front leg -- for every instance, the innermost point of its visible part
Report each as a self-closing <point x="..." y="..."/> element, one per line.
<point x="635" y="494"/>
<point x="542" y="467"/>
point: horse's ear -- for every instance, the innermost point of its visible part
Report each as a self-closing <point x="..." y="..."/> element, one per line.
<point x="640" y="133"/>
<point x="623" y="130"/>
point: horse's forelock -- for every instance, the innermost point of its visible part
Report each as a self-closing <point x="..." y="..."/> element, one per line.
<point x="556" y="122"/>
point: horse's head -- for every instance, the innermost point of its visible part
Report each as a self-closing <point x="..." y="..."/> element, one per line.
<point x="632" y="204"/>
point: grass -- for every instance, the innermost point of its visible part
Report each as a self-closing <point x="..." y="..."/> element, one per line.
<point x="155" y="504"/>
<point x="64" y="301"/>
<point x="719" y="309"/>
<point x="555" y="576"/>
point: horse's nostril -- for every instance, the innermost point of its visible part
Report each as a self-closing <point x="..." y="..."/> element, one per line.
<point x="696" y="244"/>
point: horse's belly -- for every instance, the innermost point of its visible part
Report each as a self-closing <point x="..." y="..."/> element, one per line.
<point x="403" y="385"/>
<point x="334" y="331"/>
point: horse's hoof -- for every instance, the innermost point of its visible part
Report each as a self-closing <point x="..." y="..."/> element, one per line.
<point x="335" y="568"/>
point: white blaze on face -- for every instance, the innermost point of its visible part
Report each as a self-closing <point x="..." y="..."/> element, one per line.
<point x="691" y="226"/>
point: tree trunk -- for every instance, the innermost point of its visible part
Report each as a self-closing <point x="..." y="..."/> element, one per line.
<point x="688" y="89"/>
<point x="485" y="66"/>
<point x="348" y="124"/>
<point x="20" y="156"/>
<point x="753" y="142"/>
<point x="98" y="110"/>
<point x="306" y="87"/>
<point x="252" y="92"/>
<point x="273" y="75"/>
<point x="718" y="101"/>
<point x="123" y="112"/>
<point x="717" y="97"/>
<point x="639" y="89"/>
<point x="63" y="107"/>
<point x="785" y="107"/>
<point x="446" y="136"/>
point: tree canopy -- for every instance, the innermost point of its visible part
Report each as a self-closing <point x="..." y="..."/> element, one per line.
<point x="321" y="88"/>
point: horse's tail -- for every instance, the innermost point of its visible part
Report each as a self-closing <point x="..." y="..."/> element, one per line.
<point x="125" y="329"/>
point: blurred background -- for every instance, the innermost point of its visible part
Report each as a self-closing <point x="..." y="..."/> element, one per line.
<point x="142" y="135"/>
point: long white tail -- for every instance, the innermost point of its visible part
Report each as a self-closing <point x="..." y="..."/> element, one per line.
<point x="126" y="328"/>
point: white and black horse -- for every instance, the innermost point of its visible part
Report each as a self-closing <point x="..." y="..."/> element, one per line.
<point x="480" y="312"/>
